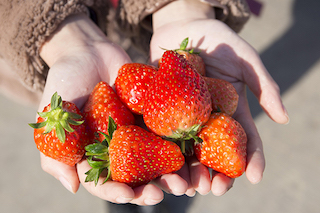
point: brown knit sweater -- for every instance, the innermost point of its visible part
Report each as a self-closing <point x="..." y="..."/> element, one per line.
<point x="25" y="25"/>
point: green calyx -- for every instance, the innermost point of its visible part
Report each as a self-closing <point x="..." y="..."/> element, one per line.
<point x="98" y="155"/>
<point x="186" y="138"/>
<point x="183" y="47"/>
<point x="58" y="119"/>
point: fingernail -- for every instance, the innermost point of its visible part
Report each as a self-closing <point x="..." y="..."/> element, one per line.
<point x="286" y="114"/>
<point x="151" y="202"/>
<point x="255" y="179"/>
<point x="121" y="199"/>
<point x="66" y="185"/>
<point x="254" y="182"/>
<point x="191" y="194"/>
<point x="194" y="164"/>
<point x="219" y="192"/>
<point x="177" y="193"/>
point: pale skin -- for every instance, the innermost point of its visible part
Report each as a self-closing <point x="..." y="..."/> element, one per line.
<point x="79" y="56"/>
<point x="229" y="57"/>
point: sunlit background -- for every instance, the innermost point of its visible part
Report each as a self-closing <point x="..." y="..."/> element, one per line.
<point x="287" y="36"/>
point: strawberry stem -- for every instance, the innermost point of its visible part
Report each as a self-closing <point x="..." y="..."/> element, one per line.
<point x="183" y="147"/>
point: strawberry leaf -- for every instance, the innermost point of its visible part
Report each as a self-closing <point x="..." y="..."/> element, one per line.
<point x="76" y="123"/>
<point x="97" y="164"/>
<point x="74" y="115"/>
<point x="184" y="44"/>
<point x="56" y="101"/>
<point x="38" y="125"/>
<point x="93" y="175"/>
<point x="112" y="126"/>
<point x="96" y="149"/>
<point x="98" y="155"/>
<point x="49" y="127"/>
<point x="66" y="126"/>
<point x="108" y="176"/>
<point x="97" y="168"/>
<point x="60" y="133"/>
<point x="43" y="114"/>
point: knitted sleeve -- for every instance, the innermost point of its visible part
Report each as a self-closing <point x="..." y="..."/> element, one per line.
<point x="234" y="13"/>
<point x="134" y="20"/>
<point x="24" y="27"/>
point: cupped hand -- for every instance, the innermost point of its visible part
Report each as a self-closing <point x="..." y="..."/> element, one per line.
<point x="229" y="57"/>
<point x="79" y="56"/>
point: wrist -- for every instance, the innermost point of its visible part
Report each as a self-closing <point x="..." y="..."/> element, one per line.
<point x="182" y="10"/>
<point x="74" y="34"/>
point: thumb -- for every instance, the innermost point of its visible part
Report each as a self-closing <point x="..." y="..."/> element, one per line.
<point x="266" y="90"/>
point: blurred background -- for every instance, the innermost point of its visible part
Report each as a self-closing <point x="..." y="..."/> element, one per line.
<point x="287" y="36"/>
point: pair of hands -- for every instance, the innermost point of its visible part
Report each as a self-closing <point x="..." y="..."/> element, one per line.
<point x="79" y="56"/>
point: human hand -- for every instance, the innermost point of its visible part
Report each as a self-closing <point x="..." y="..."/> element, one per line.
<point x="228" y="57"/>
<point x="79" y="56"/>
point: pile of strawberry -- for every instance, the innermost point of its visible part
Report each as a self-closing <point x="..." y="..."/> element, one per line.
<point x="143" y="128"/>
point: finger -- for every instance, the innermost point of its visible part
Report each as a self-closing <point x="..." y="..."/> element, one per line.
<point x="199" y="175"/>
<point x="111" y="191"/>
<point x="119" y="192"/>
<point x="270" y="101"/>
<point x="220" y="183"/>
<point x="172" y="184"/>
<point x="147" y="195"/>
<point x="255" y="157"/>
<point x="265" y="89"/>
<point x="255" y="162"/>
<point x="185" y="174"/>
<point x="67" y="175"/>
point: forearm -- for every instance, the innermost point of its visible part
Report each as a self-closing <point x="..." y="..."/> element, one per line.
<point x="182" y="10"/>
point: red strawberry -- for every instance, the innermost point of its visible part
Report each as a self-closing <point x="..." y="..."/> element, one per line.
<point x="192" y="57"/>
<point x="224" y="145"/>
<point x="133" y="156"/>
<point x="59" y="133"/>
<point x="102" y="103"/>
<point x="131" y="84"/>
<point x="223" y="95"/>
<point x="178" y="99"/>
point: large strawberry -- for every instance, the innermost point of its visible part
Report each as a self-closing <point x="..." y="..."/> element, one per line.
<point x="131" y="84"/>
<point x="191" y="56"/>
<point x="132" y="155"/>
<point x="102" y="103"/>
<point x="179" y="101"/>
<point x="59" y="132"/>
<point x="223" y="95"/>
<point x="224" y="144"/>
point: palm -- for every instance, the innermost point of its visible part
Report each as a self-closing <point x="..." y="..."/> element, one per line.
<point x="75" y="75"/>
<point x="229" y="57"/>
<point x="225" y="54"/>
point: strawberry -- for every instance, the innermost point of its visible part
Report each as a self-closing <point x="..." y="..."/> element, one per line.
<point x="59" y="133"/>
<point x="102" y="103"/>
<point x="223" y="146"/>
<point x="131" y="84"/>
<point x="178" y="99"/>
<point x="223" y="95"/>
<point x="132" y="155"/>
<point x="191" y="56"/>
